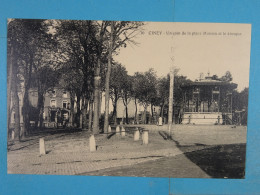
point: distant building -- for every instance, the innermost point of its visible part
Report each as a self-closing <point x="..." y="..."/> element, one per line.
<point x="56" y="107"/>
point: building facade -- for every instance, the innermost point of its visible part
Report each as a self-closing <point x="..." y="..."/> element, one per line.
<point x="56" y="108"/>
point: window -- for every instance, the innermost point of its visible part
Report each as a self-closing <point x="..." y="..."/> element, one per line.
<point x="53" y="103"/>
<point x="53" y="93"/>
<point x="65" y="104"/>
<point x="65" y="95"/>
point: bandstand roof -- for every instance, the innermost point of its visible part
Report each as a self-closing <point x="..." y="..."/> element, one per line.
<point x="210" y="82"/>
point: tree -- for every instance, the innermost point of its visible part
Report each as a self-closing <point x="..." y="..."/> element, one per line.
<point x="13" y="98"/>
<point x="144" y="89"/>
<point x="101" y="51"/>
<point x="80" y="46"/>
<point x="28" y="39"/>
<point x="126" y="92"/>
<point x="240" y="104"/>
<point x="163" y="92"/>
<point x="179" y="81"/>
<point x="45" y="78"/>
<point x="170" y="111"/>
<point x="240" y="99"/>
<point x="227" y="77"/>
<point x="118" y="72"/>
<point x="119" y="35"/>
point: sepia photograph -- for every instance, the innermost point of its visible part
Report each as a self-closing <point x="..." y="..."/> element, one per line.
<point x="127" y="98"/>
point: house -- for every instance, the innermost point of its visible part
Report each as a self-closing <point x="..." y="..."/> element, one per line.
<point x="56" y="107"/>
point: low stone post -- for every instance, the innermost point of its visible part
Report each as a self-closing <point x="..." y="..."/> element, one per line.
<point x="123" y="131"/>
<point x="136" y="135"/>
<point x="145" y="137"/>
<point x="117" y="130"/>
<point x="92" y="144"/>
<point x="42" y="146"/>
<point x="189" y="119"/>
<point x="160" y="121"/>
<point x="109" y="129"/>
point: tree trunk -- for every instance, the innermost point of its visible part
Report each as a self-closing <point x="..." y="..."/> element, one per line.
<point x="78" y="112"/>
<point x="162" y="109"/>
<point x="126" y="115"/>
<point x="25" y="109"/>
<point x="100" y="104"/>
<point x="144" y="114"/>
<point x="90" y="115"/>
<point x="84" y="113"/>
<point x="126" y="110"/>
<point x="170" y="113"/>
<point x="15" y="98"/>
<point x="151" y="115"/>
<point x="108" y="77"/>
<point x="115" y="112"/>
<point x="9" y="88"/>
<point x="40" y="109"/>
<point x="96" y="103"/>
<point x="136" y="117"/>
<point x="41" y="117"/>
<point x="72" y="112"/>
<point x="25" y="112"/>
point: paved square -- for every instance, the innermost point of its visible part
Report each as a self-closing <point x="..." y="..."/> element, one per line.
<point x="182" y="156"/>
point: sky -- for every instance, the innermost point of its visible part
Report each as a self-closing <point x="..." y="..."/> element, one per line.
<point x="192" y="48"/>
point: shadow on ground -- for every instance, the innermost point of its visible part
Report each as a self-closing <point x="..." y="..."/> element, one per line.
<point x="33" y="137"/>
<point x="222" y="161"/>
<point x="197" y="161"/>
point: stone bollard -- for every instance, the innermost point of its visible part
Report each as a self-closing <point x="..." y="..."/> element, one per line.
<point x="189" y="119"/>
<point x="42" y="146"/>
<point x="117" y="130"/>
<point x="123" y="131"/>
<point x="145" y="137"/>
<point x="109" y="129"/>
<point x="136" y="135"/>
<point x="92" y="144"/>
<point x="160" y="121"/>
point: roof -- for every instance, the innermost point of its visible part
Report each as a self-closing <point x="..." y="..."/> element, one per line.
<point x="209" y="81"/>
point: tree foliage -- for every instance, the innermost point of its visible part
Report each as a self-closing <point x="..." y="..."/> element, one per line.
<point x="29" y="42"/>
<point x="144" y="88"/>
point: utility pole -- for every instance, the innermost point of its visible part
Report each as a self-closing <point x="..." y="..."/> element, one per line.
<point x="170" y="112"/>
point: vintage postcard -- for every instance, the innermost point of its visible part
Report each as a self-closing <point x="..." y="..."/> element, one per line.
<point x="125" y="98"/>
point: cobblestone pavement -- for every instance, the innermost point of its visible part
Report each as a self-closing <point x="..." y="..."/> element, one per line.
<point x="68" y="152"/>
<point x="223" y="161"/>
